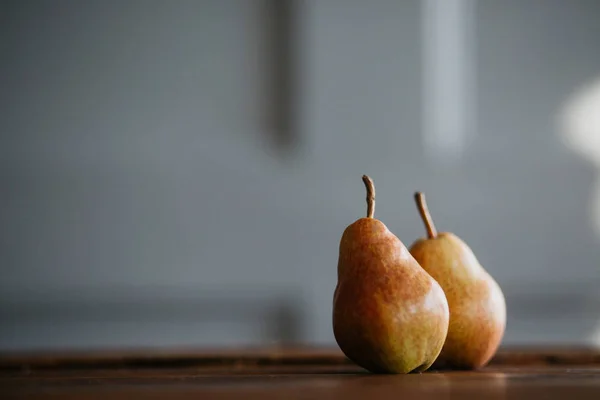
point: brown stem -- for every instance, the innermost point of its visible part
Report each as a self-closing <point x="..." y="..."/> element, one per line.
<point x="370" y="195"/>
<point x="425" y="216"/>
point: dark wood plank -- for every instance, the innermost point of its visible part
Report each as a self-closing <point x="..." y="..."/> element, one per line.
<point x="152" y="358"/>
<point x="494" y="383"/>
<point x="290" y="373"/>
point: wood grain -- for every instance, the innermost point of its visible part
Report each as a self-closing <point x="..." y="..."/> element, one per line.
<point x="289" y="373"/>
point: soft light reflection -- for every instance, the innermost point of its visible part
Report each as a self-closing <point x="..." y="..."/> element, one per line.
<point x="448" y="77"/>
<point x="581" y="133"/>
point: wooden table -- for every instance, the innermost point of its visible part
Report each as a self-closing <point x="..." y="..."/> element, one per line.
<point x="290" y="374"/>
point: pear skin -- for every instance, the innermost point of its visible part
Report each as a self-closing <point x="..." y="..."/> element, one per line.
<point x="389" y="315"/>
<point x="477" y="305"/>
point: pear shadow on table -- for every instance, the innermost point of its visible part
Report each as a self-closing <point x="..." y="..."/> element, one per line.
<point x="430" y="385"/>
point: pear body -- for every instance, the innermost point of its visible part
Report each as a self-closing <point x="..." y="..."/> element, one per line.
<point x="477" y="305"/>
<point x="389" y="315"/>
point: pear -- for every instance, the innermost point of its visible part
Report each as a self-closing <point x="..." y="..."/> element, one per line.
<point x="389" y="315"/>
<point x="477" y="305"/>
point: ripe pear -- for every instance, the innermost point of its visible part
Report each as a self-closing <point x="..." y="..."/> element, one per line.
<point x="477" y="305"/>
<point x="389" y="315"/>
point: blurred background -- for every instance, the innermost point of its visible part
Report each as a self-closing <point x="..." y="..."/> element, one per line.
<point x="179" y="173"/>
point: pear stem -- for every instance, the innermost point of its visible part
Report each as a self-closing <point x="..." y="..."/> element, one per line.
<point x="425" y="215"/>
<point x="370" y="195"/>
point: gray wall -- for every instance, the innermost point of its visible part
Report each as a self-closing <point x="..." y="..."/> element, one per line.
<point x="143" y="200"/>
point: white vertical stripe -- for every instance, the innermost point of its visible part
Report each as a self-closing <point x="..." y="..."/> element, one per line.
<point x="448" y="77"/>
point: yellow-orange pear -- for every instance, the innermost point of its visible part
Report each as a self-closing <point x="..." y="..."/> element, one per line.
<point x="477" y="305"/>
<point x="389" y="315"/>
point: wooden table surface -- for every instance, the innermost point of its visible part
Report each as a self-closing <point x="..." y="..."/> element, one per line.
<point x="290" y="374"/>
